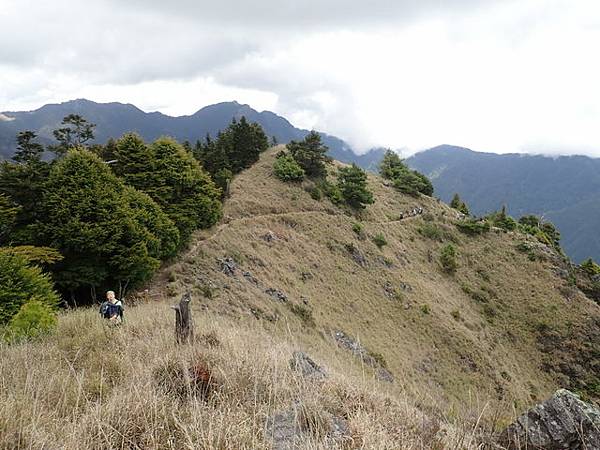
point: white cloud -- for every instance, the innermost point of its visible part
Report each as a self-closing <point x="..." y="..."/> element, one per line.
<point x="490" y="75"/>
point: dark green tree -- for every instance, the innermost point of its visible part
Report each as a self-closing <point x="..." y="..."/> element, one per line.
<point x="103" y="229"/>
<point x="75" y="133"/>
<point x="28" y="151"/>
<point x="134" y="162"/>
<point x="247" y="141"/>
<point x="405" y="180"/>
<point x="20" y="283"/>
<point x="8" y="217"/>
<point x="459" y="205"/>
<point x="21" y="182"/>
<point x="182" y="188"/>
<point x="310" y="154"/>
<point x="352" y="183"/>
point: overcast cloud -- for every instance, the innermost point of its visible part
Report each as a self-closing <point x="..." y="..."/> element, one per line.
<point x="505" y="76"/>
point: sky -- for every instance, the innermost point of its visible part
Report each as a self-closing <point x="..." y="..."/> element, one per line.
<point x="491" y="75"/>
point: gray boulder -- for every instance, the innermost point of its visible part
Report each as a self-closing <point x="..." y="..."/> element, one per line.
<point x="304" y="365"/>
<point x="563" y="422"/>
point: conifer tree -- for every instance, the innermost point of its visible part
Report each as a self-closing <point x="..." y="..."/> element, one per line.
<point x="134" y="161"/>
<point x="28" y="151"/>
<point x="20" y="283"/>
<point x="76" y="132"/>
<point x="182" y="188"/>
<point x="459" y="205"/>
<point x="352" y="182"/>
<point x="103" y="229"/>
<point x="405" y="180"/>
<point x="310" y="154"/>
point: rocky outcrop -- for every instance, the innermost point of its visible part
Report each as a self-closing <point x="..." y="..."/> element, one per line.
<point x="361" y="352"/>
<point x="290" y="430"/>
<point x="276" y="294"/>
<point x="563" y="422"/>
<point x="304" y="365"/>
<point x="228" y="266"/>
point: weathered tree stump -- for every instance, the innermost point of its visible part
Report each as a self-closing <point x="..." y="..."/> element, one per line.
<point x="184" y="325"/>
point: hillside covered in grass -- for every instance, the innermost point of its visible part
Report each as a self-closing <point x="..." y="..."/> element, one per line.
<point x="409" y="355"/>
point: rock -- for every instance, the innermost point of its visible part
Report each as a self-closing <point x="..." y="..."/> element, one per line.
<point x="563" y="422"/>
<point x="357" y="256"/>
<point x="339" y="429"/>
<point x="284" y="430"/>
<point x="384" y="375"/>
<point x="277" y="295"/>
<point x="305" y="276"/>
<point x="303" y="364"/>
<point x="405" y="287"/>
<point x="269" y="236"/>
<point x="361" y="352"/>
<point x="228" y="266"/>
<point x="248" y="276"/>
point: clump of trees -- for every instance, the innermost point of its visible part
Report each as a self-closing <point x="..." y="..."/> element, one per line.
<point x="234" y="149"/>
<point x="458" y="204"/>
<point x="308" y="159"/>
<point x="99" y="216"/>
<point x="404" y="179"/>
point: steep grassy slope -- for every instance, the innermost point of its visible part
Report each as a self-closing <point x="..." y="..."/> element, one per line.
<point x="479" y="330"/>
<point x="284" y="272"/>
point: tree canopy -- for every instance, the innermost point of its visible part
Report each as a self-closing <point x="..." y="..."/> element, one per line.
<point x="404" y="179"/>
<point x="310" y="154"/>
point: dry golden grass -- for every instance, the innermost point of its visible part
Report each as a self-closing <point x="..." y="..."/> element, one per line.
<point x="98" y="387"/>
<point x="464" y="349"/>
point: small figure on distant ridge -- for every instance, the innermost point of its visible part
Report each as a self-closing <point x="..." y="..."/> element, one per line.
<point x="112" y="308"/>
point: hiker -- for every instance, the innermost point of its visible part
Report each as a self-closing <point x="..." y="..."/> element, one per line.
<point x="112" y="309"/>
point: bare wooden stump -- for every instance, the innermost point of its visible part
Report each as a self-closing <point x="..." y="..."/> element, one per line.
<point x="184" y="325"/>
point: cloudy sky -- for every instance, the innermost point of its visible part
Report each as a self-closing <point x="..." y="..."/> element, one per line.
<point x="493" y="75"/>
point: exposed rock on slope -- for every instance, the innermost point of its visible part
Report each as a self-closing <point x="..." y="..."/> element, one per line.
<point x="563" y="422"/>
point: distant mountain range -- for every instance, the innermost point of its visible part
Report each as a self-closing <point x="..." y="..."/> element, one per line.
<point x="114" y="119"/>
<point x="565" y="190"/>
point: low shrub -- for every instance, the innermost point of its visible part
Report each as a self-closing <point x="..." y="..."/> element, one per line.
<point x="357" y="228"/>
<point x="431" y="230"/>
<point x="287" y="169"/>
<point x="473" y="227"/>
<point x="33" y="319"/>
<point x="448" y="258"/>
<point x="379" y="240"/>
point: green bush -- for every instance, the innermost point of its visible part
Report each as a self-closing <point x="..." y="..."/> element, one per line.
<point x="21" y="283"/>
<point x="33" y="319"/>
<point x="590" y="267"/>
<point x="287" y="169"/>
<point x="332" y="192"/>
<point x="379" y="240"/>
<point x="357" y="228"/>
<point x="473" y="227"/>
<point x="448" y="258"/>
<point x="352" y="183"/>
<point x="431" y="230"/>
<point x="315" y="193"/>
